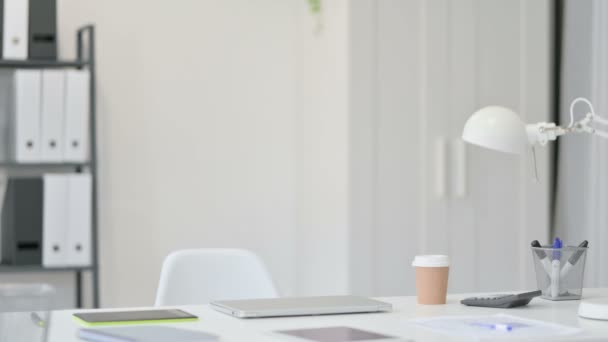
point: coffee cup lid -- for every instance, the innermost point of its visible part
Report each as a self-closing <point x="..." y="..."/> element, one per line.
<point x="431" y="261"/>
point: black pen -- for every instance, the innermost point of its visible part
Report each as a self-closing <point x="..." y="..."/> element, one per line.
<point x="542" y="256"/>
<point x="574" y="259"/>
<point x="536" y="244"/>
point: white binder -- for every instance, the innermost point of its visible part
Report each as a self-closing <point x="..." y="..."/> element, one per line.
<point x="55" y="220"/>
<point x="26" y="115"/>
<point x="76" y="129"/>
<point x="52" y="115"/>
<point x="79" y="219"/>
<point x="6" y="113"/>
<point x="15" y="29"/>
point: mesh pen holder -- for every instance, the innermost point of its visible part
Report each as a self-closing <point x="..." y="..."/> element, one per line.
<point x="560" y="271"/>
<point x="24" y="311"/>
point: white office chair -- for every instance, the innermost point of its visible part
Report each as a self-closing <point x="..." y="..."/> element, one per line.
<point x="198" y="276"/>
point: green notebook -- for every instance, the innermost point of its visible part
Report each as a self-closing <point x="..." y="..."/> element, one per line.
<point x="106" y="318"/>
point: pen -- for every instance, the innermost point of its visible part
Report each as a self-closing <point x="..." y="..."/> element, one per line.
<point x="555" y="267"/>
<point x="496" y="326"/>
<point x="542" y="256"/>
<point x="573" y="259"/>
<point x="502" y="327"/>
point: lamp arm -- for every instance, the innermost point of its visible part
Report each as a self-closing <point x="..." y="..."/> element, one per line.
<point x="597" y="118"/>
<point x="542" y="132"/>
<point x="601" y="134"/>
<point x="584" y="125"/>
<point x="573" y="103"/>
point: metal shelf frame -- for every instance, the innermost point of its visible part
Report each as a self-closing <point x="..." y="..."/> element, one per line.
<point x="32" y="63"/>
<point x="40" y="268"/>
<point x="85" y="49"/>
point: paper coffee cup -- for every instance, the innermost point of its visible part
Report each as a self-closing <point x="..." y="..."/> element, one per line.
<point x="431" y="278"/>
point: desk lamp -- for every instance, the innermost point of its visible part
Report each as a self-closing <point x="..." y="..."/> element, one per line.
<point x="501" y="129"/>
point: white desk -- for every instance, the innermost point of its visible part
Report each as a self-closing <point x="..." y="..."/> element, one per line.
<point x="64" y="329"/>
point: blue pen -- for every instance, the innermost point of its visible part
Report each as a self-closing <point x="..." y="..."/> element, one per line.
<point x="556" y="267"/>
<point x="495" y="326"/>
<point x="557" y="244"/>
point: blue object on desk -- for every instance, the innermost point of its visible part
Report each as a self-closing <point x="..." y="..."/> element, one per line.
<point x="495" y="326"/>
<point x="557" y="244"/>
<point x="506" y="327"/>
<point x="556" y="267"/>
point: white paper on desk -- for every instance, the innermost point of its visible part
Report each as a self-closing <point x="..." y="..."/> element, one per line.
<point x="477" y="326"/>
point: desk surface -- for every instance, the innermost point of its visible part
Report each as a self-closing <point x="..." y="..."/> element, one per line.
<point x="396" y="323"/>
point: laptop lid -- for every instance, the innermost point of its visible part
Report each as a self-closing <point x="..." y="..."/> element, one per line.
<point x="298" y="306"/>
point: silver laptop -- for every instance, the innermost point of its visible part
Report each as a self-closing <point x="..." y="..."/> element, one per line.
<point x="299" y="306"/>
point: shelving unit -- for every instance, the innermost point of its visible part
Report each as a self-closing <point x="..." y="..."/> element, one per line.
<point x="85" y="59"/>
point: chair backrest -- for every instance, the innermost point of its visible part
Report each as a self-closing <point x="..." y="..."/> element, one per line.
<point x="198" y="276"/>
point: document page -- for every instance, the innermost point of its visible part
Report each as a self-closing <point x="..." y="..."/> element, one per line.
<point x="494" y="326"/>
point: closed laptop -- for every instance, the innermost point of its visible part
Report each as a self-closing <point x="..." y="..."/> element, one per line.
<point x="299" y="306"/>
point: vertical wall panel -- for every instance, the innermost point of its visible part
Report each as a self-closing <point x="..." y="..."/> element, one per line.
<point x="595" y="183"/>
<point x="462" y="101"/>
<point x="436" y="70"/>
<point x="496" y="175"/>
<point x="362" y="142"/>
<point x="322" y="239"/>
<point x="601" y="98"/>
<point x="437" y="62"/>
<point x="574" y="221"/>
<point x="582" y="183"/>
<point x="398" y="187"/>
<point x="535" y="103"/>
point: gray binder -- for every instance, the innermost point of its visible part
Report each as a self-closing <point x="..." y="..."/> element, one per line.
<point x="22" y="222"/>
<point x="42" y="40"/>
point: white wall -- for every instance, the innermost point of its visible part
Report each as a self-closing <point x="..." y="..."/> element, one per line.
<point x="238" y="123"/>
<point x="222" y="124"/>
<point x="196" y="133"/>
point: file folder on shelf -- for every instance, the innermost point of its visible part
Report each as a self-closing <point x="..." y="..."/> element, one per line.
<point x="76" y="129"/>
<point x="6" y="129"/>
<point x="52" y="116"/>
<point x="15" y="29"/>
<point x="22" y="222"/>
<point x="55" y="219"/>
<point x="26" y="115"/>
<point x="1" y="27"/>
<point x="67" y="220"/>
<point x="79" y="219"/>
<point x="42" y="37"/>
<point x="21" y="110"/>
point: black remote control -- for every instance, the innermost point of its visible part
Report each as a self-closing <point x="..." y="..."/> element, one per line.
<point x="502" y="300"/>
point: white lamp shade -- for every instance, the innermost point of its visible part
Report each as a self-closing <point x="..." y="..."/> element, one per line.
<point x="497" y="128"/>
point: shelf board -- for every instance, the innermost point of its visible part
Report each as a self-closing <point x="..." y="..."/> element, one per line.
<point x="40" y="268"/>
<point x="15" y="63"/>
<point x="42" y="165"/>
